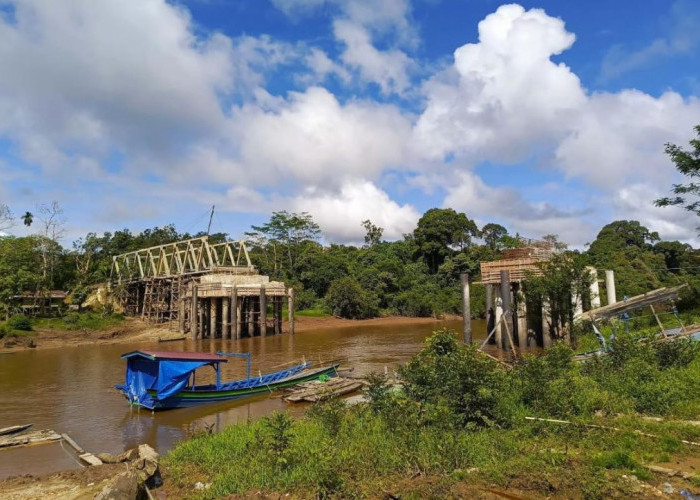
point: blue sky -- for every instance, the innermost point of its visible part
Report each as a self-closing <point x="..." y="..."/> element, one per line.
<point x="547" y="117"/>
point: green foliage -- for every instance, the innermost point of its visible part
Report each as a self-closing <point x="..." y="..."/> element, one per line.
<point x="442" y="426"/>
<point x="441" y="229"/>
<point x="688" y="164"/>
<point x="80" y="321"/>
<point x="19" y="322"/>
<point x="458" y="379"/>
<point x="347" y="299"/>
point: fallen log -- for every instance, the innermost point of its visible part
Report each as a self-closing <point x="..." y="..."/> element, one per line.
<point x="318" y="391"/>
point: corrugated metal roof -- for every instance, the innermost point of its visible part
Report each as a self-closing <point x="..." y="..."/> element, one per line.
<point x="175" y="355"/>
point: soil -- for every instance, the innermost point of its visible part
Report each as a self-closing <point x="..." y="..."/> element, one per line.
<point x="80" y="484"/>
<point x="135" y="330"/>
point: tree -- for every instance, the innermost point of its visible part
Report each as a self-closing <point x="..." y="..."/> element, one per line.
<point x="347" y="299"/>
<point x="287" y="231"/>
<point x="52" y="229"/>
<point x="28" y="218"/>
<point x="5" y="217"/>
<point x="374" y="233"/>
<point x="20" y="261"/>
<point x="440" y="231"/>
<point x="492" y="233"/>
<point x="688" y="164"/>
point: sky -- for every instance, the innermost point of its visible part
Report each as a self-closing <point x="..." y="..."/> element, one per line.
<point x="548" y="117"/>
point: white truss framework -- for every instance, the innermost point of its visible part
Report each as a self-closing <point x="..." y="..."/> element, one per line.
<point x="195" y="256"/>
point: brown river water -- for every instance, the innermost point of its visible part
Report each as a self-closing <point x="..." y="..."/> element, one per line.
<point x="70" y="389"/>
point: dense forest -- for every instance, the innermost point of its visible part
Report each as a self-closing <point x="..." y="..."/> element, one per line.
<point x="417" y="275"/>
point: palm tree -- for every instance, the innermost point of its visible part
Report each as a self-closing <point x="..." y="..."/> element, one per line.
<point x="28" y="218"/>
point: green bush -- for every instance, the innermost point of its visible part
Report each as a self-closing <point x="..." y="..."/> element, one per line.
<point x="347" y="299"/>
<point x="19" y="322"/>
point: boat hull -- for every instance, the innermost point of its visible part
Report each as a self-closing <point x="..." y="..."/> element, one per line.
<point x="189" y="398"/>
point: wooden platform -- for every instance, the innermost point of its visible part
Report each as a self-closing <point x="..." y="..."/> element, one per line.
<point x="312" y="392"/>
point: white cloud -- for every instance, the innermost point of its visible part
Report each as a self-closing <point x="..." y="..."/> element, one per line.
<point x="619" y="138"/>
<point x="389" y="69"/>
<point x="91" y="76"/>
<point x="633" y="202"/>
<point x="468" y="193"/>
<point x="313" y="139"/>
<point x="503" y="97"/>
<point x="340" y="214"/>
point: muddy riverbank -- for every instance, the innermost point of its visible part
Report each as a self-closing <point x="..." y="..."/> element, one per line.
<point x="133" y="330"/>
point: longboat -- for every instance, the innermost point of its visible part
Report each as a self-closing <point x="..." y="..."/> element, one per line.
<point x="160" y="380"/>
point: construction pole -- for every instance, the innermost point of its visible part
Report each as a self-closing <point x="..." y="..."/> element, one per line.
<point x="505" y="300"/>
<point x="466" y="309"/>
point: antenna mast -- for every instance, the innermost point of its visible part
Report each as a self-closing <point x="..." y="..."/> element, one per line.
<point x="211" y="216"/>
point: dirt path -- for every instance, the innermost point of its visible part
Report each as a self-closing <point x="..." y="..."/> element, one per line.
<point x="136" y="330"/>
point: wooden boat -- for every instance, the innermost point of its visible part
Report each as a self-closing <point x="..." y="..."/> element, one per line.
<point x="14" y="429"/>
<point x="160" y="380"/>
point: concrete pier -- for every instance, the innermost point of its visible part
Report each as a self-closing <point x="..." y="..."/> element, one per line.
<point x="610" y="286"/>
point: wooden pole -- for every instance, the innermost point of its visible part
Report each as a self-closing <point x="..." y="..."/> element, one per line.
<point x="466" y="309"/>
<point x="521" y="315"/>
<point x="291" y="311"/>
<point x="193" y="313"/>
<point x="546" y="324"/>
<point x="263" y="311"/>
<point x="498" y="316"/>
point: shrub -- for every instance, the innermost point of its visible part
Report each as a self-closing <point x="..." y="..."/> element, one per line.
<point x="19" y="322"/>
<point x="346" y="298"/>
<point x="448" y="376"/>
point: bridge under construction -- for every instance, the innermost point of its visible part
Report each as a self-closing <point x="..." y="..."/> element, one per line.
<point x="205" y="289"/>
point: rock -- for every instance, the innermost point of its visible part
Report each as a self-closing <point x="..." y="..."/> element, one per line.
<point x="145" y="451"/>
<point x="124" y="486"/>
<point x="126" y="456"/>
<point x="668" y="488"/>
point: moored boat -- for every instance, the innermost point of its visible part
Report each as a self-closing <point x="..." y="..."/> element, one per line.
<point x="160" y="380"/>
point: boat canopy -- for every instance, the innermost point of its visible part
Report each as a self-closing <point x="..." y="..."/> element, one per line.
<point x="164" y="372"/>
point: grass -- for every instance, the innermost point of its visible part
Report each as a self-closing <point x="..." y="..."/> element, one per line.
<point x="312" y="313"/>
<point x="79" y="321"/>
<point x="460" y="420"/>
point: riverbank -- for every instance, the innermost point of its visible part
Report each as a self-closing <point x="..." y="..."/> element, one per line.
<point x="131" y="330"/>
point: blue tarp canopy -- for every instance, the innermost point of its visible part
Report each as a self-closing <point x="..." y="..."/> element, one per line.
<point x="154" y="371"/>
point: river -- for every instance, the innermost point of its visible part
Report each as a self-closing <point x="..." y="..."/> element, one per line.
<point x="70" y="389"/>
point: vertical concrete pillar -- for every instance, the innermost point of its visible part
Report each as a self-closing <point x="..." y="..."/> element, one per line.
<point x="277" y="313"/>
<point x="203" y="317"/>
<point x="498" y="314"/>
<point x="225" y="319"/>
<point x="213" y="317"/>
<point x="507" y="308"/>
<point x="546" y="324"/>
<point x="291" y="311"/>
<point x="263" y="311"/>
<point x="235" y="314"/>
<point x="194" y="313"/>
<point x="521" y="313"/>
<point x="577" y="302"/>
<point x="594" y="289"/>
<point x="466" y="309"/>
<point x="610" y="286"/>
<point x="250" y="310"/>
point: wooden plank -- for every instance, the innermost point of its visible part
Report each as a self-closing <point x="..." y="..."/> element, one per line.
<point x="73" y="444"/>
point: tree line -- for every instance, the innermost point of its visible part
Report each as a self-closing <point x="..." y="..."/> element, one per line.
<point x="417" y="275"/>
